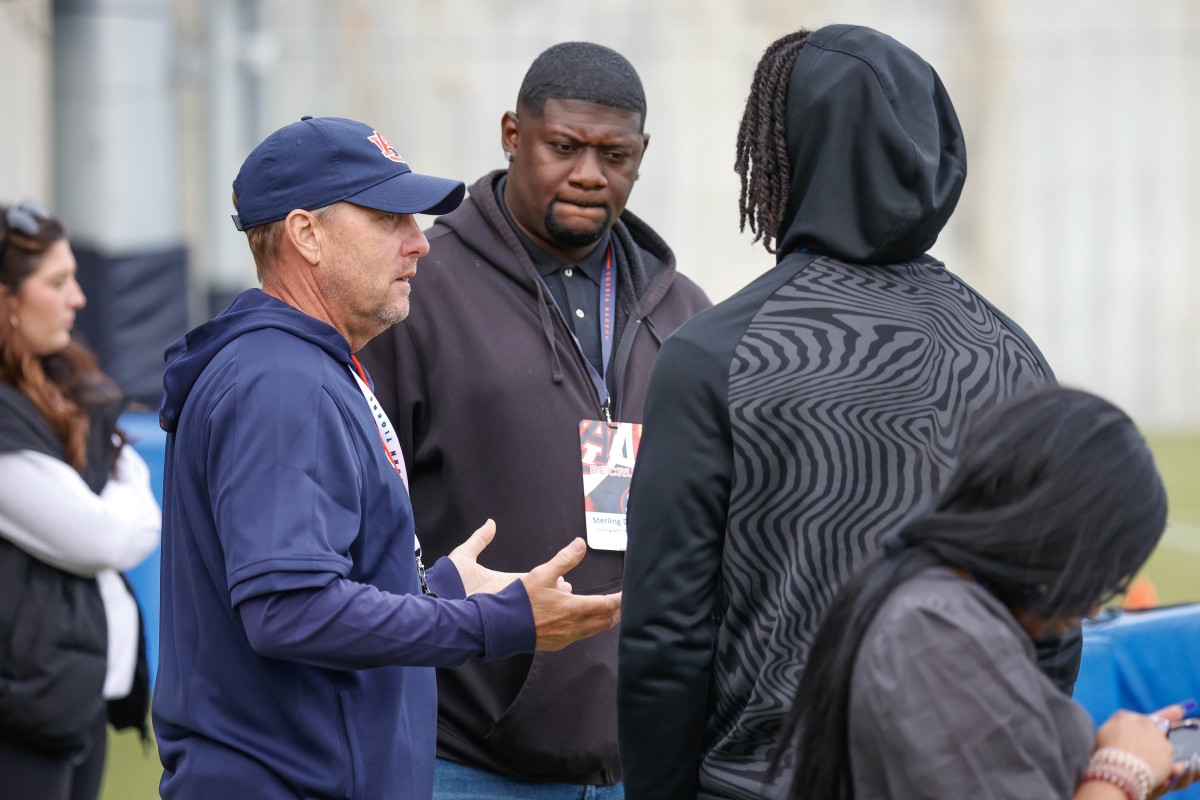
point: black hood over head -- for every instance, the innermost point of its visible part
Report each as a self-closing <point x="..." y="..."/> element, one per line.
<point x="877" y="155"/>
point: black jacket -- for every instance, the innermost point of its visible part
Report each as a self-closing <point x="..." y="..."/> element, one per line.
<point x="53" y="634"/>
<point x="487" y="390"/>
<point x="791" y="426"/>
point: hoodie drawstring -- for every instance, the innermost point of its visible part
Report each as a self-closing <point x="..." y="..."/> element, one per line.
<point x="556" y="372"/>
<point x="653" y="330"/>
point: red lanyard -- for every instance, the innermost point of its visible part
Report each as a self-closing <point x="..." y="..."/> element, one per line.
<point x="394" y="456"/>
<point x="393" y="453"/>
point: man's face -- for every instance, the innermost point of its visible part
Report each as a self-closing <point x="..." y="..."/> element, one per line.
<point x="365" y="268"/>
<point x="572" y="171"/>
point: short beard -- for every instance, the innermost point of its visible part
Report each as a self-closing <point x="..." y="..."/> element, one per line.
<point x="569" y="237"/>
<point x="338" y="287"/>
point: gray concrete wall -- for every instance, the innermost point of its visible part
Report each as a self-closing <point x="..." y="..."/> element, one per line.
<point x="1079" y="216"/>
<point x="25" y="99"/>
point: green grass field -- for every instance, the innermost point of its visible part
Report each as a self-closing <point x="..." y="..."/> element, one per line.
<point x="132" y="773"/>
<point x="1174" y="568"/>
<point x="1175" y="565"/>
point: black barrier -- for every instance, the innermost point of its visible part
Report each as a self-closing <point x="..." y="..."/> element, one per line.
<point x="137" y="305"/>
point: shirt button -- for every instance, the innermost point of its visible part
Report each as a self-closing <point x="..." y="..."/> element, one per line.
<point x="568" y="272"/>
<point x="579" y="313"/>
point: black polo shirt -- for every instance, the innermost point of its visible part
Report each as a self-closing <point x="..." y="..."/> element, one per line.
<point x="575" y="286"/>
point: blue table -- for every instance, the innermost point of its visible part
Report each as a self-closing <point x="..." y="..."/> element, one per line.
<point x="150" y="442"/>
<point x="1141" y="660"/>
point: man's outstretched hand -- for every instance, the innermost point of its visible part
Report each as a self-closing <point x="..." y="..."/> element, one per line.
<point x="559" y="616"/>
<point x="475" y="576"/>
<point x="562" y="617"/>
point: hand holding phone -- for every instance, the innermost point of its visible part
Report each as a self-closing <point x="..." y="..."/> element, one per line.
<point x="1184" y="736"/>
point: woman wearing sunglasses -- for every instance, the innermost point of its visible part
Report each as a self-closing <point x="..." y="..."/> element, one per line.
<point x="75" y="509"/>
<point x="922" y="681"/>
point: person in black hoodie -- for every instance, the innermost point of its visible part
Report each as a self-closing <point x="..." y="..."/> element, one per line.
<point x="488" y="381"/>
<point x="75" y="508"/>
<point x="792" y="425"/>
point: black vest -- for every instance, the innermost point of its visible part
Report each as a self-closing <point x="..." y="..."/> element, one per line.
<point x="53" y="631"/>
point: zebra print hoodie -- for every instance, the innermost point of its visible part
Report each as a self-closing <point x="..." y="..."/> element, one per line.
<point x="791" y="426"/>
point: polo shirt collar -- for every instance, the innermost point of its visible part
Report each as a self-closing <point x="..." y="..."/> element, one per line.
<point x="547" y="263"/>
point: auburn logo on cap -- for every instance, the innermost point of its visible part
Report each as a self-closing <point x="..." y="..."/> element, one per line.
<point x="388" y="151"/>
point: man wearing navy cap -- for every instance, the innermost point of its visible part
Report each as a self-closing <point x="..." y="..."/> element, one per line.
<point x="299" y="626"/>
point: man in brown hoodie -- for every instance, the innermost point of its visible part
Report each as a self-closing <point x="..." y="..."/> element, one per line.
<point x="542" y="305"/>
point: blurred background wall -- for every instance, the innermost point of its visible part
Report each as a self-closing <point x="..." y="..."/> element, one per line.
<point x="1079" y="216"/>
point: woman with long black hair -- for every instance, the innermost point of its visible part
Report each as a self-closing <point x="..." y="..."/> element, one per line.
<point x="921" y="680"/>
<point x="75" y="508"/>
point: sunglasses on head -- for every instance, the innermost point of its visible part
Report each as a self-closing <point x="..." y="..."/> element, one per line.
<point x="25" y="217"/>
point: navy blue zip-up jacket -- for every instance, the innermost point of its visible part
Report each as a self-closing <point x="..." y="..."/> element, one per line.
<point x="297" y="646"/>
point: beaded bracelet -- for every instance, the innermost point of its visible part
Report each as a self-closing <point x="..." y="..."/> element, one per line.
<point x="1115" y="776"/>
<point x="1127" y="762"/>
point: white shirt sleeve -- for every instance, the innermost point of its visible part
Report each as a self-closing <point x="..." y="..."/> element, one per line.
<point x="48" y="511"/>
<point x="121" y="612"/>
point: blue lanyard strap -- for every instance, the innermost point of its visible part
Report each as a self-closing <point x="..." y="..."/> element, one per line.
<point x="608" y="310"/>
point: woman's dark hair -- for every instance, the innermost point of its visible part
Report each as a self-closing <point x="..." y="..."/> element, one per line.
<point x="63" y="385"/>
<point x="1054" y="505"/>
<point x="762" y="160"/>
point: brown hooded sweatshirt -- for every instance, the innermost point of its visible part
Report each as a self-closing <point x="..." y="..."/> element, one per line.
<point x="487" y="389"/>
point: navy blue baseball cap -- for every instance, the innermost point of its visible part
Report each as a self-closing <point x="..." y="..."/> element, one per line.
<point x="323" y="160"/>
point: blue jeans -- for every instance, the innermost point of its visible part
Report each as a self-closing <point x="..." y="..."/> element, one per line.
<point x="453" y="781"/>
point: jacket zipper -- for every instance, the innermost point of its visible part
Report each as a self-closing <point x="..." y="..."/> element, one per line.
<point x="621" y="362"/>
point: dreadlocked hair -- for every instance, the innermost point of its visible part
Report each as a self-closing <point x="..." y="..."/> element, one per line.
<point x="762" y="160"/>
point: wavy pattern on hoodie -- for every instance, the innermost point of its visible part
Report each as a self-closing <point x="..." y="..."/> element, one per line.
<point x="848" y="395"/>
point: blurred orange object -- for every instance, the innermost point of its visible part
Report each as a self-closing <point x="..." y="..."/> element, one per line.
<point x="1142" y="594"/>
